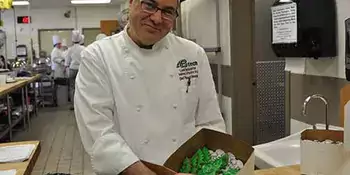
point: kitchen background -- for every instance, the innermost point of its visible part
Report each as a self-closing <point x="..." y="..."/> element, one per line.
<point x="244" y="69"/>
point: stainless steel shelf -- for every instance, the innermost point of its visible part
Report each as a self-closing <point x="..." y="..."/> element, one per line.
<point x="15" y="122"/>
<point x="7" y="130"/>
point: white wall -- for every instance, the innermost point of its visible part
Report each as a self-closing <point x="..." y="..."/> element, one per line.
<point x="124" y="5"/>
<point x="199" y="23"/>
<point x="326" y="67"/>
<point x="87" y="17"/>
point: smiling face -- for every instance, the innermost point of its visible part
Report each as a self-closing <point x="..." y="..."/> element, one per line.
<point x="151" y="20"/>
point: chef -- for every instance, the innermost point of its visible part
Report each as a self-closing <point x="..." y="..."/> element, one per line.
<point x="57" y="58"/>
<point x="64" y="46"/>
<point x="57" y="65"/>
<point x="73" y="60"/>
<point x="142" y="93"/>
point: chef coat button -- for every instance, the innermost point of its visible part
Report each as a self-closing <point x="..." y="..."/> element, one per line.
<point x="174" y="140"/>
<point x="172" y="75"/>
<point x="175" y="106"/>
<point x="146" y="141"/>
<point x="138" y="108"/>
<point x="132" y="77"/>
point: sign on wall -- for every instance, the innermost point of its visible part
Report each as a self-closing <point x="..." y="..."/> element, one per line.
<point x="284" y="23"/>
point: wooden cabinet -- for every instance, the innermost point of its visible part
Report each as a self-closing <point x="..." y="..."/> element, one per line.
<point x="109" y="26"/>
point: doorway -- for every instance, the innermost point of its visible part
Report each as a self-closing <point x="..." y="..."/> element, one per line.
<point x="90" y="35"/>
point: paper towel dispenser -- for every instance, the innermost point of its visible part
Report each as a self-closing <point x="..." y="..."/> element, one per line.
<point x="304" y="28"/>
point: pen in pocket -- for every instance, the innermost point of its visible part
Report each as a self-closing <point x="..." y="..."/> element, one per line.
<point x="188" y="84"/>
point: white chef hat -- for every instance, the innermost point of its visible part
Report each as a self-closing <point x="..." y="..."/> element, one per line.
<point x="100" y="36"/>
<point x="82" y="39"/>
<point x="64" y="42"/>
<point x="56" y="39"/>
<point x="76" y="36"/>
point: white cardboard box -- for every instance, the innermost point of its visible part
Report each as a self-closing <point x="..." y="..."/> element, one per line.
<point x="321" y="158"/>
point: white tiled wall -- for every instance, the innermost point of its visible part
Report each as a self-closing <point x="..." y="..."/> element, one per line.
<point x="87" y="17"/>
<point x="124" y="5"/>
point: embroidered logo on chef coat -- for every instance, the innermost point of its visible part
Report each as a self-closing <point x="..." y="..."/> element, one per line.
<point x="187" y="70"/>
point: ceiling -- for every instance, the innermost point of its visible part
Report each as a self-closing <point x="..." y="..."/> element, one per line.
<point x="61" y="3"/>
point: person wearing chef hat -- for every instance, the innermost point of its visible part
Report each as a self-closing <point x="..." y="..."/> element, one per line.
<point x="57" y="65"/>
<point x="57" y="58"/>
<point x="73" y="60"/>
<point x="142" y="93"/>
<point x="64" y="45"/>
<point x="64" y="48"/>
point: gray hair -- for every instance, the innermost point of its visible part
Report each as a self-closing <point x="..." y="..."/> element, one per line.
<point x="123" y="17"/>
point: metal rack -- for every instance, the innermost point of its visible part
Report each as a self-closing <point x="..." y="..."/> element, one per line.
<point x="46" y="90"/>
<point x="15" y="104"/>
<point x="15" y="117"/>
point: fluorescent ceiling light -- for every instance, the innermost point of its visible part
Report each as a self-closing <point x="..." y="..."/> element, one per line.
<point x="14" y="3"/>
<point x="90" y="1"/>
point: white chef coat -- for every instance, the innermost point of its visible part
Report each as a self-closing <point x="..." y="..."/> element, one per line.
<point x="73" y="58"/>
<point x="57" y="59"/>
<point x="133" y="103"/>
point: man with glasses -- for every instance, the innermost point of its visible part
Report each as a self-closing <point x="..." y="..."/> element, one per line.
<point x="142" y="93"/>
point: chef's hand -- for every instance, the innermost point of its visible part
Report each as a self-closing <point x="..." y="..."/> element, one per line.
<point x="137" y="169"/>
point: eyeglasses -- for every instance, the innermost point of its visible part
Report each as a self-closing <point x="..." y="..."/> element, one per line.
<point x="152" y="8"/>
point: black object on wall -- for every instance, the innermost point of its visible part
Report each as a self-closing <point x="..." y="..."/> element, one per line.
<point x="304" y="28"/>
<point x="347" y="49"/>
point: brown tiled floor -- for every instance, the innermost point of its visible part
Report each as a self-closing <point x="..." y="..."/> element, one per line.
<point x="62" y="150"/>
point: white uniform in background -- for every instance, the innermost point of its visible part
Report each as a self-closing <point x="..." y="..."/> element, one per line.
<point x="133" y="103"/>
<point x="82" y="39"/>
<point x="73" y="60"/>
<point x="100" y="36"/>
<point x="57" y="59"/>
<point x="65" y="52"/>
<point x="73" y="57"/>
<point x="64" y="45"/>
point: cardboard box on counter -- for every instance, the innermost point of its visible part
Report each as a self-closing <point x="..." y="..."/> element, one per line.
<point x="318" y="157"/>
<point x="214" y="140"/>
<point x="159" y="170"/>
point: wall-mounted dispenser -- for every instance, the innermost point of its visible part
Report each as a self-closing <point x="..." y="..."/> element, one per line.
<point x="347" y="49"/>
<point x="304" y="28"/>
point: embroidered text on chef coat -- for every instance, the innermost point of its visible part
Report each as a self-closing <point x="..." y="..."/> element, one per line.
<point x="187" y="70"/>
